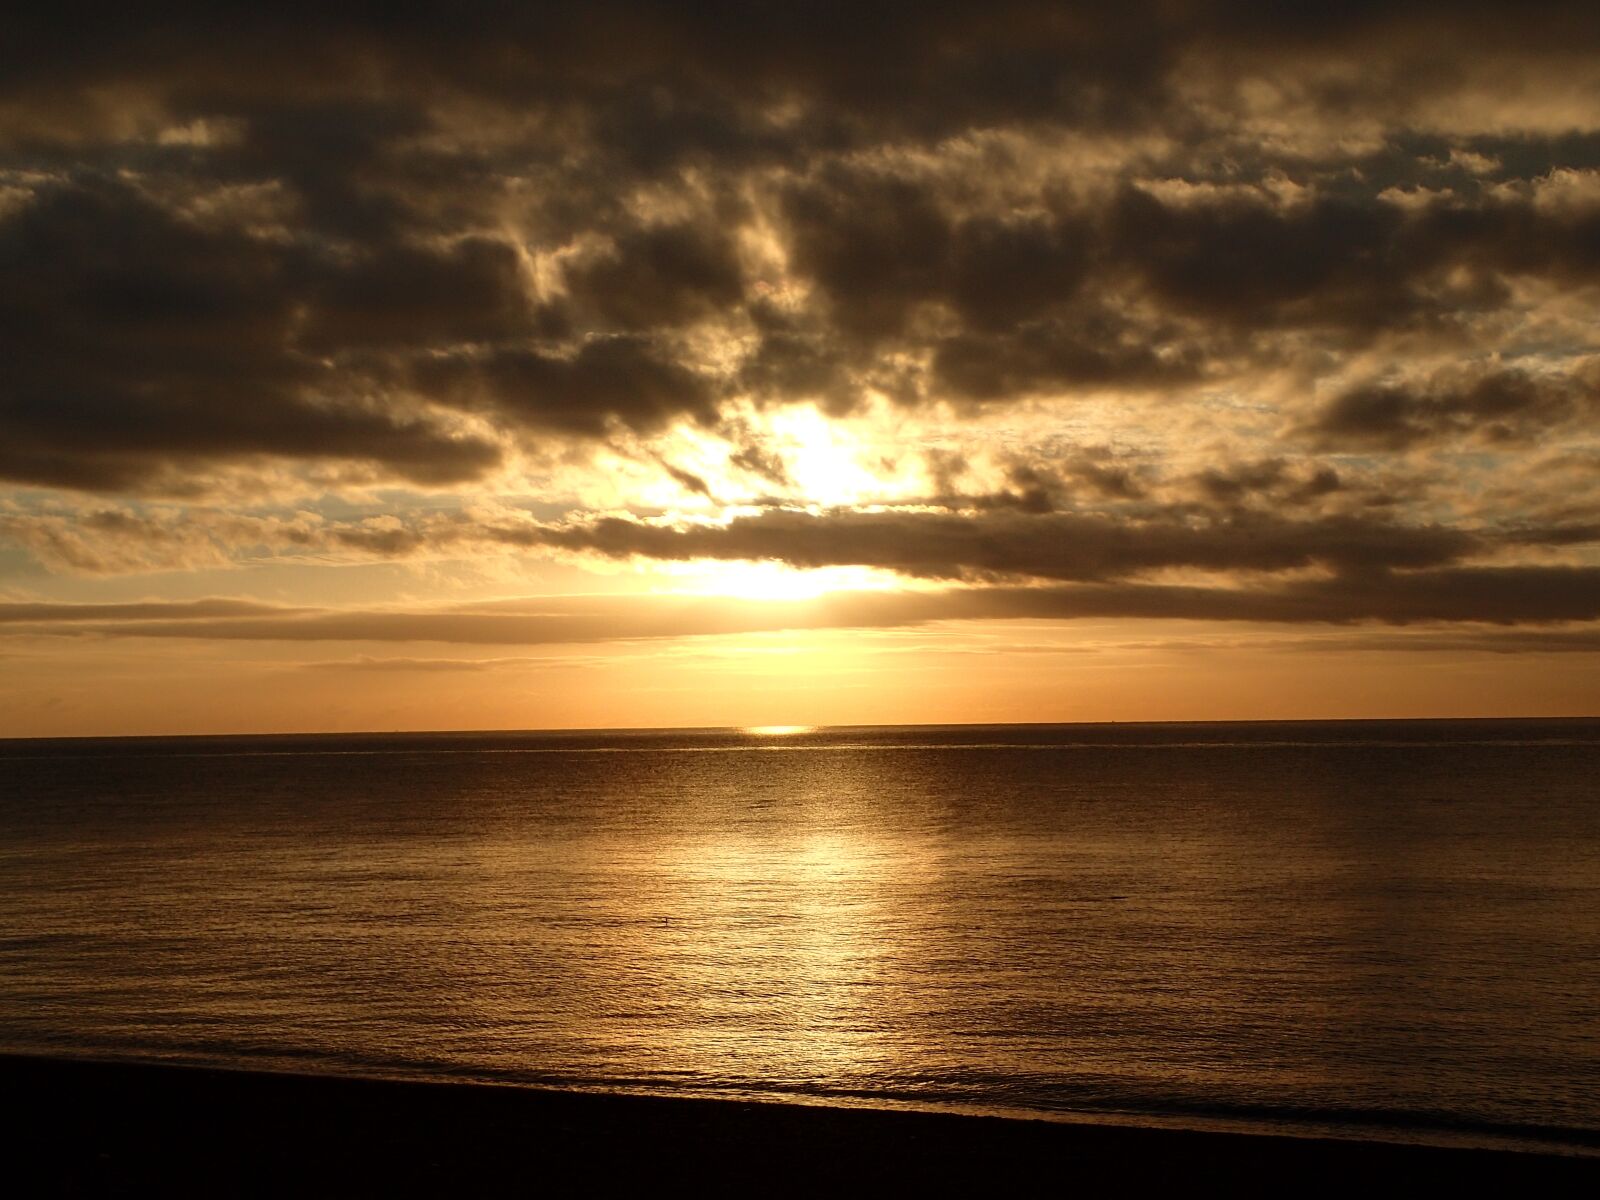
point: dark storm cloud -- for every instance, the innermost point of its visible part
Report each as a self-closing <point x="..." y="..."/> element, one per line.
<point x="413" y="298"/>
<point x="1037" y="296"/>
<point x="1085" y="351"/>
<point x="659" y="277"/>
<point x="623" y="380"/>
<point x="1248" y="260"/>
<point x="883" y="249"/>
<point x="918" y="66"/>
<point x="1148" y="290"/>
<point x="1496" y="406"/>
<point x="408" y="239"/>
<point x="662" y="83"/>
<point x="1361" y="263"/>
<point x="332" y="153"/>
<point x="141" y="345"/>
<point x="136" y="344"/>
<point x="874" y="245"/>
<point x="1048" y="545"/>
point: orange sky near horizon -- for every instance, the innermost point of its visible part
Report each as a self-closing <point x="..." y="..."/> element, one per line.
<point x="986" y="672"/>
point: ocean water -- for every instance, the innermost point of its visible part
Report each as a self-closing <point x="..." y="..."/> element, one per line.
<point x="1388" y="927"/>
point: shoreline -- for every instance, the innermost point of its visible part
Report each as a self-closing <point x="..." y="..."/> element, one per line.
<point x="89" y="1127"/>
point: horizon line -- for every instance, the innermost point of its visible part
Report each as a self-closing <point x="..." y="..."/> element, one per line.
<point x="800" y="729"/>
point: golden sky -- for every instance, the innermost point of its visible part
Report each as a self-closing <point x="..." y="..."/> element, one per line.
<point x="622" y="364"/>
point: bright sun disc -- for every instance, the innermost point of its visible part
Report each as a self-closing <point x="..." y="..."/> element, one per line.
<point x="778" y="730"/>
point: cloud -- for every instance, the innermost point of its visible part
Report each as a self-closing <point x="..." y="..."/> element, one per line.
<point x="1011" y="535"/>
<point x="1248" y="259"/>
<point x="120" y="540"/>
<point x="55" y="612"/>
<point x="1466" y="595"/>
<point x="1575" y="640"/>
<point x="140" y="347"/>
<point x="1498" y="595"/>
<point x="658" y="276"/>
<point x="1269" y="477"/>
<point x="1491" y="406"/>
<point x="1137" y="269"/>
<point x="873" y="245"/>
<point x="412" y="298"/>
<point x="552" y="620"/>
<point x="997" y="543"/>
<point x="1086" y="351"/>
<point x="429" y="665"/>
<point x="619" y="380"/>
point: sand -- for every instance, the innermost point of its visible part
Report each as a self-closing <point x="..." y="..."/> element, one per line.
<point x="83" y="1128"/>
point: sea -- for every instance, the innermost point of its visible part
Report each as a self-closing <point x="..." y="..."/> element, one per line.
<point x="1365" y="929"/>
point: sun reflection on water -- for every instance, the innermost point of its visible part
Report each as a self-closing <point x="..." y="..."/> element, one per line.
<point x="788" y="961"/>
<point x="762" y="932"/>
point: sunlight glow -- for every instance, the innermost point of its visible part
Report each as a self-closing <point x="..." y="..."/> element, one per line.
<point x="772" y="580"/>
<point x="822" y="457"/>
<point x="777" y="730"/>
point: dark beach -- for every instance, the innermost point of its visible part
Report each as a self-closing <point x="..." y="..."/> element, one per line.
<point x="83" y="1128"/>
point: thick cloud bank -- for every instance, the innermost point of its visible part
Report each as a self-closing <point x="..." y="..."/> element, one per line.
<point x="1211" y="310"/>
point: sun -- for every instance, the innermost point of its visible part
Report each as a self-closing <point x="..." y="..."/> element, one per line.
<point x="776" y="582"/>
<point x="768" y="581"/>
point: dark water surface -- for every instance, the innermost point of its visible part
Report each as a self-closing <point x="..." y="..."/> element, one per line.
<point x="1360" y="925"/>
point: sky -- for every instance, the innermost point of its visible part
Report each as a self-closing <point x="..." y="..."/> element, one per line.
<point x="626" y="364"/>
